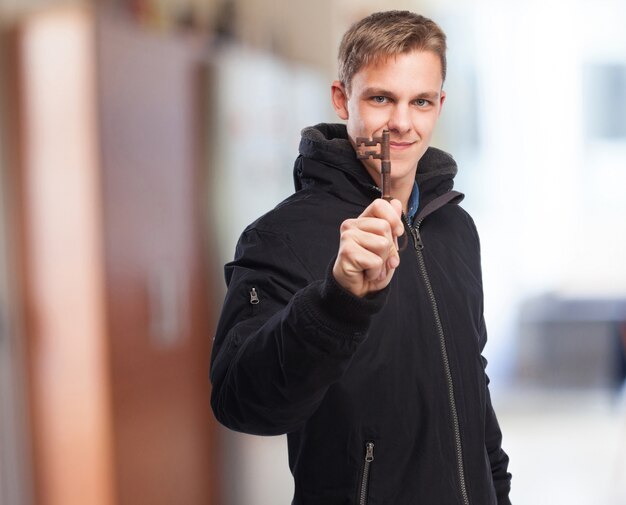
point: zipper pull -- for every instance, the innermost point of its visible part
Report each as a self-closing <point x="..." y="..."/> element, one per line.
<point x="369" y="452"/>
<point x="417" y="239"/>
<point x="254" y="297"/>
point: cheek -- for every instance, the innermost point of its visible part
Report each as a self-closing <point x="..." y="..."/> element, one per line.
<point x="425" y="123"/>
<point x="356" y="114"/>
<point x="369" y="119"/>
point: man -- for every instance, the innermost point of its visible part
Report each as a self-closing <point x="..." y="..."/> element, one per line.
<point x="355" y="324"/>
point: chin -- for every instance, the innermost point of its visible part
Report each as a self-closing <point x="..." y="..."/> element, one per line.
<point x="403" y="171"/>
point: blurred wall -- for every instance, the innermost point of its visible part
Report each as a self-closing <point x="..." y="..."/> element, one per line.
<point x="15" y="475"/>
<point x="527" y="84"/>
<point x="61" y="172"/>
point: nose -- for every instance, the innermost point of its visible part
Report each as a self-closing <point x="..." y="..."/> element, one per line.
<point x="400" y="120"/>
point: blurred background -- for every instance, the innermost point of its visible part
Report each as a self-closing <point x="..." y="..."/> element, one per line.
<point x="139" y="137"/>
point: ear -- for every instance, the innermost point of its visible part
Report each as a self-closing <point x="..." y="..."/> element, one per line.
<point x="441" y="100"/>
<point x="339" y="97"/>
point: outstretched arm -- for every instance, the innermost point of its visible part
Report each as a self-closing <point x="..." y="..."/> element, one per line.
<point x="276" y="353"/>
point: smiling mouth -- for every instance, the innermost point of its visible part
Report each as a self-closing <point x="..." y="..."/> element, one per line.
<point x="400" y="145"/>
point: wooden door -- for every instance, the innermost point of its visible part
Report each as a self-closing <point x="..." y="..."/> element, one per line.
<point x="158" y="300"/>
<point x="116" y="293"/>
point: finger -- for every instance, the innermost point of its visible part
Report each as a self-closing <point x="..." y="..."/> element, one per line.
<point x="371" y="225"/>
<point x="375" y="225"/>
<point x="388" y="211"/>
<point x="398" y="229"/>
<point x="385" y="255"/>
<point x="382" y="245"/>
<point x="361" y="262"/>
<point x="393" y="259"/>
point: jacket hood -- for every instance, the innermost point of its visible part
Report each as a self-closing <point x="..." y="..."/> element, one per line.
<point x="329" y="144"/>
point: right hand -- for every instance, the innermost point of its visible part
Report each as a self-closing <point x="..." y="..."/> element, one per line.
<point x="368" y="248"/>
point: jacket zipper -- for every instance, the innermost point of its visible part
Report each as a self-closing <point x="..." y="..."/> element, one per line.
<point x="369" y="457"/>
<point x="419" y="246"/>
<point x="254" y="300"/>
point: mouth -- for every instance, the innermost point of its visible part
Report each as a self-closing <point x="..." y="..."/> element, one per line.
<point x="399" y="146"/>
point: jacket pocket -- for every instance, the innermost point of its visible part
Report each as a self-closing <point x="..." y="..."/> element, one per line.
<point x="367" y="469"/>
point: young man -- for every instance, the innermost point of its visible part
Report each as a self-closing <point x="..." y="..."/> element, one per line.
<point x="365" y="352"/>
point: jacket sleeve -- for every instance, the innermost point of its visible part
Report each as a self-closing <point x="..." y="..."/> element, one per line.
<point x="283" y="337"/>
<point x="498" y="459"/>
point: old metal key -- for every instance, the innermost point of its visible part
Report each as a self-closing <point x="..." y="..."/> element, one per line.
<point x="385" y="167"/>
<point x="382" y="154"/>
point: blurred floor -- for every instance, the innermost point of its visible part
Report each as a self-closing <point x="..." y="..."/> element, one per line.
<point x="566" y="448"/>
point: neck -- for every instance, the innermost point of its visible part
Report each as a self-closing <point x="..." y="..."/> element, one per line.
<point x="400" y="189"/>
<point x="402" y="193"/>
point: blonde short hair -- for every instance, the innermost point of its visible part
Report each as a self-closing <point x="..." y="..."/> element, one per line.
<point x="384" y="34"/>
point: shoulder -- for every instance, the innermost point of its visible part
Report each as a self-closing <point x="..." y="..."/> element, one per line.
<point x="301" y="232"/>
<point x="304" y="214"/>
<point x="453" y="228"/>
<point x="455" y="215"/>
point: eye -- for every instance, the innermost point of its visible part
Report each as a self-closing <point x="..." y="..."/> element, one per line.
<point x="379" y="99"/>
<point x="422" y="102"/>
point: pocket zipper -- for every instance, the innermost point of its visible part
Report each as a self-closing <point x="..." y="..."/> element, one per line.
<point x="369" y="457"/>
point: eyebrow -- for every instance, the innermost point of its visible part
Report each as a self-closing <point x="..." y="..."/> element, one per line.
<point x="373" y="91"/>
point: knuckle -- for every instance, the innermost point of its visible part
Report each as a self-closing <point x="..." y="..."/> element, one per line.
<point x="346" y="225"/>
<point x="348" y="234"/>
<point x="383" y="228"/>
<point x="348" y="250"/>
<point x="382" y="244"/>
<point x="379" y="204"/>
<point x="378" y="262"/>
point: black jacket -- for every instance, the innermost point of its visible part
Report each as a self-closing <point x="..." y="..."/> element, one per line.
<point x="384" y="399"/>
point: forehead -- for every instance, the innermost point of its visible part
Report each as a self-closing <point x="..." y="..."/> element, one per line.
<point x="414" y="69"/>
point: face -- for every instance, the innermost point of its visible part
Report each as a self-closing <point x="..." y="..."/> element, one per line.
<point x="401" y="94"/>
